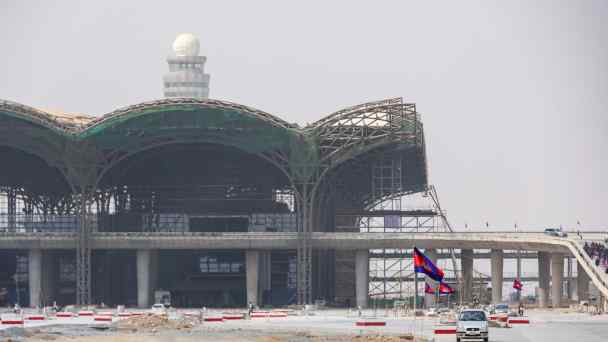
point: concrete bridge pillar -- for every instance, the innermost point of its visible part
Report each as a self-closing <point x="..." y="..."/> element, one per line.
<point x="429" y="299"/>
<point x="252" y="260"/>
<point x="544" y="274"/>
<point x="582" y="283"/>
<point x="35" y="277"/>
<point x="144" y="265"/>
<point x="557" y="278"/>
<point x="362" y="277"/>
<point x="497" y="263"/>
<point x="466" y="262"/>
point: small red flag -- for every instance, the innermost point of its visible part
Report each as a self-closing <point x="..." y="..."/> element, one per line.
<point x="517" y="285"/>
<point x="445" y="289"/>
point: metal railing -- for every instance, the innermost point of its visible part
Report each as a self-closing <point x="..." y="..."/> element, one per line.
<point x="146" y="223"/>
<point x="38" y="223"/>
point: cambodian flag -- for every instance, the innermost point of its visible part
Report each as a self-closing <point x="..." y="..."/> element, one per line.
<point x="422" y="264"/>
<point x="428" y="289"/>
<point x="517" y="285"/>
<point x="445" y="289"/>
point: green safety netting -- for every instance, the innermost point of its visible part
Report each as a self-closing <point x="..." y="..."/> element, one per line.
<point x="189" y="121"/>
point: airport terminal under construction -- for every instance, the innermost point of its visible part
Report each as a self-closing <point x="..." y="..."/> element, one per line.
<point x="211" y="203"/>
<point x="195" y="167"/>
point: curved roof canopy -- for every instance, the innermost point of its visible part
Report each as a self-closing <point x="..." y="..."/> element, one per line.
<point x="335" y="138"/>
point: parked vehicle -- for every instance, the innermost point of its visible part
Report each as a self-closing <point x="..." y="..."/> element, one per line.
<point x="557" y="232"/>
<point x="501" y="308"/>
<point x="158" y="309"/>
<point x="472" y="325"/>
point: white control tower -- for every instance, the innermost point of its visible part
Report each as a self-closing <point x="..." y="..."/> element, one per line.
<point x="186" y="76"/>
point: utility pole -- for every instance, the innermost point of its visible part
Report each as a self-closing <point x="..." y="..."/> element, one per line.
<point x="17" y="288"/>
<point x="518" y="266"/>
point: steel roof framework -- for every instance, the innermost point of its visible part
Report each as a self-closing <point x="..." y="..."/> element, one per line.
<point x="313" y="158"/>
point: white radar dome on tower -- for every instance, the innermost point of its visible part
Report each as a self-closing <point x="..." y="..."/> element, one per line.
<point x="186" y="44"/>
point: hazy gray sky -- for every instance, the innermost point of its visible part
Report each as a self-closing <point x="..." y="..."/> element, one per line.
<point x="513" y="94"/>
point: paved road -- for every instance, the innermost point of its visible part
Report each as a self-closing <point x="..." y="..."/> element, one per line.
<point x="545" y="327"/>
<point x="548" y="332"/>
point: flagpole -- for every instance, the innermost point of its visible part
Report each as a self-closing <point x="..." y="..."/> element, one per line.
<point x="437" y="295"/>
<point x="415" y="288"/>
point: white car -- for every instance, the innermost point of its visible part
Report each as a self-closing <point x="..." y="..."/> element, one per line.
<point x="472" y="326"/>
<point x="502" y="308"/>
<point x="432" y="312"/>
<point x="557" y="232"/>
<point x="158" y="309"/>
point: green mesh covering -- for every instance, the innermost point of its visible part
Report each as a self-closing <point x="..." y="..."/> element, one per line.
<point x="190" y="123"/>
<point x="339" y="137"/>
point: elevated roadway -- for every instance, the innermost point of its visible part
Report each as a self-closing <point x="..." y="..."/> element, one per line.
<point x="338" y="241"/>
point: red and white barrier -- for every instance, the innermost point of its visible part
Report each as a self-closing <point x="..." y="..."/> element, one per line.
<point x="125" y="314"/>
<point x="277" y="315"/>
<point x="370" y="323"/>
<point x="105" y="313"/>
<point x="283" y="311"/>
<point x="102" y="318"/>
<point x="11" y="319"/>
<point x="233" y="317"/>
<point x="84" y="313"/>
<point x="518" y="320"/>
<point x="502" y="318"/>
<point x="65" y="314"/>
<point x="213" y="319"/>
<point x="444" y="330"/>
<point x="259" y="314"/>
<point x="269" y="314"/>
<point x="35" y="318"/>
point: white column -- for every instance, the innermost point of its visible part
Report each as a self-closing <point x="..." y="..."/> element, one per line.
<point x="582" y="283"/>
<point x="557" y="277"/>
<point x="362" y="277"/>
<point x="497" y="275"/>
<point x="252" y="267"/>
<point x="466" y="261"/>
<point x="143" y="278"/>
<point x="544" y="276"/>
<point x="35" y="277"/>
<point x="429" y="299"/>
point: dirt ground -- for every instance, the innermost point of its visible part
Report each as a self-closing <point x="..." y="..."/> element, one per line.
<point x="155" y="328"/>
<point x="295" y="337"/>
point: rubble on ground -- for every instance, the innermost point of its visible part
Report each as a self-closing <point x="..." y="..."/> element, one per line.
<point x="372" y="338"/>
<point x="154" y="322"/>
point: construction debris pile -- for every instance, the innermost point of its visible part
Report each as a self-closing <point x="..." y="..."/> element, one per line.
<point x="154" y="322"/>
<point x="369" y="338"/>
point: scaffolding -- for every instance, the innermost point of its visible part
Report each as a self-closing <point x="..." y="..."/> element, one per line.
<point x="390" y="270"/>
